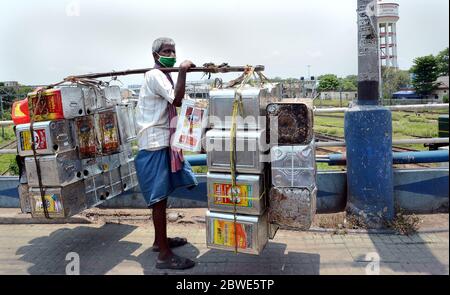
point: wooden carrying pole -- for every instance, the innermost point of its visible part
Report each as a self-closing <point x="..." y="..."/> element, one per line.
<point x="207" y="69"/>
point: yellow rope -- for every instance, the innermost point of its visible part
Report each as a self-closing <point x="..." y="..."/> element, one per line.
<point x="237" y="109"/>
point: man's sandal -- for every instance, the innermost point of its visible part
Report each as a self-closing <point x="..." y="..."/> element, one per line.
<point x="175" y="262"/>
<point x="173" y="243"/>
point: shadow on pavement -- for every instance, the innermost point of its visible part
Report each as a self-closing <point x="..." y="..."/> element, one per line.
<point x="102" y="249"/>
<point x="99" y="249"/>
<point x="402" y="254"/>
<point x="273" y="260"/>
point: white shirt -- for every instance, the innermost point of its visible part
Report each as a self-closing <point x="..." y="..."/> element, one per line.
<point x="152" y="117"/>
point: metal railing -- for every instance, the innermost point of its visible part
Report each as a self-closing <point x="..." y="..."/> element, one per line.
<point x="415" y="107"/>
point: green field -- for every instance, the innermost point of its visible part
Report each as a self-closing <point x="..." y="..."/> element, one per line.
<point x="7" y="161"/>
<point x="405" y="125"/>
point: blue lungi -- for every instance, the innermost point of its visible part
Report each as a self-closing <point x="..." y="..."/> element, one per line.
<point x="155" y="177"/>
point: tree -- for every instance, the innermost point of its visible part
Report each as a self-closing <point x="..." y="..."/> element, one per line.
<point x="354" y="80"/>
<point x="329" y="82"/>
<point x="349" y="83"/>
<point x="442" y="62"/>
<point x="425" y="72"/>
<point x="393" y="80"/>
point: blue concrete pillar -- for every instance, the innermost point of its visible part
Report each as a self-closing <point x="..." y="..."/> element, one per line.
<point x="368" y="134"/>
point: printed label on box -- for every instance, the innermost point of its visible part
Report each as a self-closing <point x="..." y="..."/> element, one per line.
<point x="52" y="203"/>
<point x="224" y="234"/>
<point x="39" y="137"/>
<point x="49" y="107"/>
<point x="222" y="195"/>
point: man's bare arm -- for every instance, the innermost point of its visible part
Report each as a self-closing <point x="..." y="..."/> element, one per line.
<point x="180" y="88"/>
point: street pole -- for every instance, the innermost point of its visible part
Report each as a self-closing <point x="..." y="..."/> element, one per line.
<point x="368" y="131"/>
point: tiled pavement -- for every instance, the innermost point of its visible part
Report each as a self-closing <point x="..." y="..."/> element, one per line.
<point x="124" y="249"/>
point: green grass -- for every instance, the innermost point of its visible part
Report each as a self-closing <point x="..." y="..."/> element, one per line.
<point x="331" y="103"/>
<point x="405" y="125"/>
<point x="6" y="161"/>
<point x="6" y="134"/>
<point x="326" y="167"/>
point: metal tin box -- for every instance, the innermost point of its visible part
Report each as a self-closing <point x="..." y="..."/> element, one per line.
<point x="126" y="154"/>
<point x="60" y="103"/>
<point x="61" y="202"/>
<point x="254" y="102"/>
<point x="24" y="198"/>
<point x="289" y="123"/>
<point x="128" y="175"/>
<point x="98" y="165"/>
<point x="113" y="183"/>
<point x="249" y="151"/>
<point x="113" y="95"/>
<point x="86" y="137"/>
<point x="50" y="137"/>
<point x="127" y="123"/>
<point x="251" y="198"/>
<point x="96" y="98"/>
<point x="293" y="166"/>
<point x="60" y="169"/>
<point x="251" y="231"/>
<point x="108" y="131"/>
<point x="293" y="207"/>
<point x="92" y="166"/>
<point x="95" y="190"/>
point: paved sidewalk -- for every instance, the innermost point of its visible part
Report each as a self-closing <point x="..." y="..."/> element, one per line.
<point x="124" y="249"/>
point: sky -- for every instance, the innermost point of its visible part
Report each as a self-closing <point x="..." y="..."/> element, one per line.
<point x="43" y="41"/>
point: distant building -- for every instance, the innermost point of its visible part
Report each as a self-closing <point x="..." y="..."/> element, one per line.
<point x="442" y="89"/>
<point x="346" y="95"/>
<point x="11" y="84"/>
<point x="438" y="94"/>
<point x="406" y="94"/>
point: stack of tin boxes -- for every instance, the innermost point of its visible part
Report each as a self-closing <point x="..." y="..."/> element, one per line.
<point x="82" y="137"/>
<point x="251" y="223"/>
<point x="293" y="165"/>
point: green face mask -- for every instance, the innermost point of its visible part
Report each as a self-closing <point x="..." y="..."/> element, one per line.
<point x="166" y="61"/>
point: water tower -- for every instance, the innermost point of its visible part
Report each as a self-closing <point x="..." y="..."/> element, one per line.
<point x="388" y="16"/>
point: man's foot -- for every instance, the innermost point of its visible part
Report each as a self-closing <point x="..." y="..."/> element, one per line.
<point x="173" y="243"/>
<point x="175" y="262"/>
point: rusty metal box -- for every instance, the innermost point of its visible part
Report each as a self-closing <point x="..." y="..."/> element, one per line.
<point x="60" y="169"/>
<point x="250" y="148"/>
<point x="251" y="232"/>
<point x="61" y="202"/>
<point x="293" y="207"/>
<point x="293" y="166"/>
<point x="290" y="123"/>
<point x="251" y="198"/>
<point x="51" y="137"/>
<point x="254" y="102"/>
